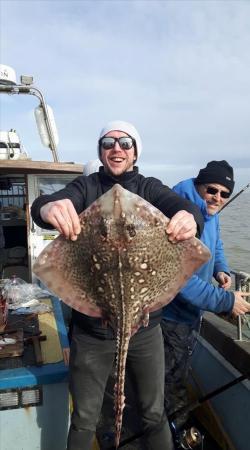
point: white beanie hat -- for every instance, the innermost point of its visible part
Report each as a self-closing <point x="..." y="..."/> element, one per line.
<point x="91" y="167"/>
<point x="126" y="127"/>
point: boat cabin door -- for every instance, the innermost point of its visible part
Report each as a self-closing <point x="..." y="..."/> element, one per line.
<point x="21" y="240"/>
<point x="13" y="226"/>
<point x="39" y="238"/>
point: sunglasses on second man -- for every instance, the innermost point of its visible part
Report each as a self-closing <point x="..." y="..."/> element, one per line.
<point x="213" y="191"/>
<point x="125" y="142"/>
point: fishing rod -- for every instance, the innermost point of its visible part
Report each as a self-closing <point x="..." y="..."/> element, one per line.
<point x="188" y="408"/>
<point x="235" y="196"/>
<point x="210" y="395"/>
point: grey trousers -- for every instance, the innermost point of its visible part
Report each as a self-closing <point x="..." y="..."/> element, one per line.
<point x="91" y="362"/>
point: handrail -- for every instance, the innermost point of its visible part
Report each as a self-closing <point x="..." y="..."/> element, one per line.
<point x="31" y="90"/>
<point x="242" y="283"/>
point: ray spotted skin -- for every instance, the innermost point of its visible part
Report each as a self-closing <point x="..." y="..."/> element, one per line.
<point x="121" y="268"/>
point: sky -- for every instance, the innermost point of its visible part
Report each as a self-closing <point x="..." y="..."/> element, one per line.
<point x="178" y="70"/>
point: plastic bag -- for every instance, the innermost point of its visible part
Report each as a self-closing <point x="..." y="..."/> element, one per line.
<point x="17" y="292"/>
<point x="3" y="310"/>
<point x="35" y="308"/>
<point x="12" y="289"/>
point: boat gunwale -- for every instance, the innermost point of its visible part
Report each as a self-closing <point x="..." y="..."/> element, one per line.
<point x="222" y="335"/>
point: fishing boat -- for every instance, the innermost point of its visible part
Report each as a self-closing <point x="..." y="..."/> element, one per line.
<point x="34" y="382"/>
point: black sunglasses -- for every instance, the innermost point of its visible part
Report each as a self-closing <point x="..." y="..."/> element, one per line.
<point x="211" y="190"/>
<point x="125" y="142"/>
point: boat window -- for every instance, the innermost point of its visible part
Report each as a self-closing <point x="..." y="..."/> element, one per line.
<point x="12" y="195"/>
<point x="49" y="185"/>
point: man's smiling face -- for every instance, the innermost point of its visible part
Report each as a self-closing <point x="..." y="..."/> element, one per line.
<point x="116" y="161"/>
<point x="215" y="196"/>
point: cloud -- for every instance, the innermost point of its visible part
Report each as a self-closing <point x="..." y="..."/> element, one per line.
<point x="180" y="71"/>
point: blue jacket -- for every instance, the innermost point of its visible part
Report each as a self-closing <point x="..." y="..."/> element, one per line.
<point x="199" y="294"/>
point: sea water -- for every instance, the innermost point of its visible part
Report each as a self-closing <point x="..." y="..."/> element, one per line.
<point x="235" y="232"/>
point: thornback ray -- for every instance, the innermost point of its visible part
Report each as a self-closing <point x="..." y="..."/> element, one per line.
<point x="121" y="267"/>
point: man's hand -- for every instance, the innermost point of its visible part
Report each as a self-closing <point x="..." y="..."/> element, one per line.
<point x="66" y="355"/>
<point x="182" y="226"/>
<point x="241" y="306"/>
<point x="63" y="216"/>
<point x="224" y="280"/>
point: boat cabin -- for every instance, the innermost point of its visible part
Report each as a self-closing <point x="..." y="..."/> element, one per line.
<point x="20" y="183"/>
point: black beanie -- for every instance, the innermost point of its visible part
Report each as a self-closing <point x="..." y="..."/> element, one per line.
<point x="219" y="172"/>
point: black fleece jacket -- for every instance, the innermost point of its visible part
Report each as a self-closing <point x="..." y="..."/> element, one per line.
<point x="85" y="190"/>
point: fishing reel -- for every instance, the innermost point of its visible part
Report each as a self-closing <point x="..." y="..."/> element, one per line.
<point x="187" y="438"/>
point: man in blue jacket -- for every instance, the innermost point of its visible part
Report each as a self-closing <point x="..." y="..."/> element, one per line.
<point x="210" y="190"/>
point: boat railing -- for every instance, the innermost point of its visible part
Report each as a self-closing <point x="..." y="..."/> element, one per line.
<point x="242" y="283"/>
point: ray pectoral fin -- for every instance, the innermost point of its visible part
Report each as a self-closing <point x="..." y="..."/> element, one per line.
<point x="192" y="256"/>
<point x="50" y="269"/>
